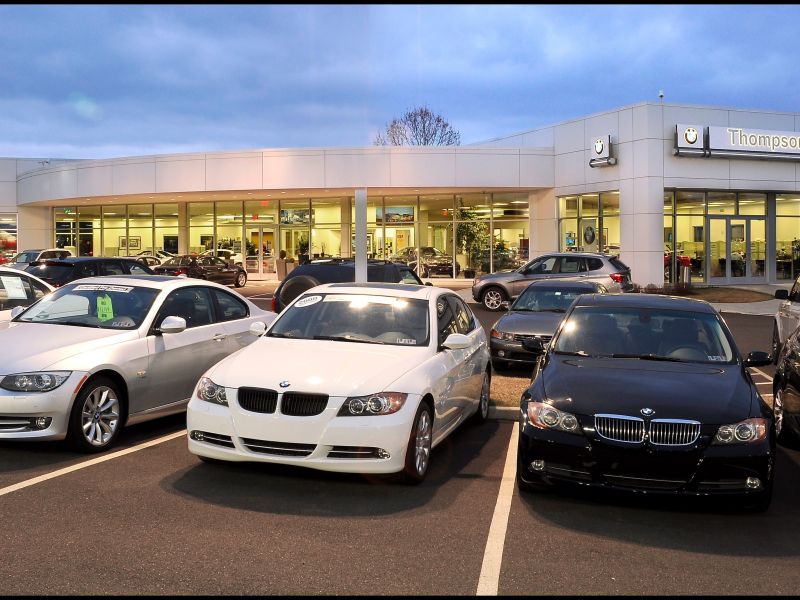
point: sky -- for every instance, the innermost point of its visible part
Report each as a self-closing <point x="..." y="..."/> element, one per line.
<point x="94" y="81"/>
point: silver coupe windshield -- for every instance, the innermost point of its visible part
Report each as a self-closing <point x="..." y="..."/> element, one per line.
<point x="93" y="305"/>
<point x="355" y="318"/>
<point x="546" y="299"/>
<point x="643" y="333"/>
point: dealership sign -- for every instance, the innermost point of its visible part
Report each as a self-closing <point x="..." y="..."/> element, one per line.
<point x="736" y="142"/>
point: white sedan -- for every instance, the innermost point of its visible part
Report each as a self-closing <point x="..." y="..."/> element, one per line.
<point x="102" y="352"/>
<point x="19" y="289"/>
<point x="361" y="378"/>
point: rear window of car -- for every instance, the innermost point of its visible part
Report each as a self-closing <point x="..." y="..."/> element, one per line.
<point x="594" y="264"/>
<point x="618" y="264"/>
<point x="61" y="272"/>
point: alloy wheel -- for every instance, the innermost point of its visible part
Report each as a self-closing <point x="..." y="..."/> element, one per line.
<point x="492" y="299"/>
<point x="777" y="410"/>
<point x="422" y="449"/>
<point x="100" y="416"/>
<point x="484" y="407"/>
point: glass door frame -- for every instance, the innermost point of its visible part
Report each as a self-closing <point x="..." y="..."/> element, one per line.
<point x="748" y="277"/>
<point x="264" y="267"/>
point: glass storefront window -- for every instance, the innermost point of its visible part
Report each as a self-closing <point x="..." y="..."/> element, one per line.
<point x="229" y="220"/>
<point x="140" y="228"/>
<point x="8" y="235"/>
<point x="752" y="203"/>
<point x="436" y="208"/>
<point x="787" y="205"/>
<point x="89" y="231"/>
<point x="510" y="244"/>
<point x="690" y="203"/>
<point x="326" y="241"/>
<point x="436" y="246"/>
<point x="610" y="237"/>
<point x="721" y="203"/>
<point x="115" y="237"/>
<point x="66" y="232"/>
<point x="509" y="206"/>
<point x="472" y="247"/>
<point x="166" y="227"/>
<point x="590" y="205"/>
<point x="581" y="214"/>
<point x="374" y="209"/>
<point x="261" y="211"/>
<point x="201" y="227"/>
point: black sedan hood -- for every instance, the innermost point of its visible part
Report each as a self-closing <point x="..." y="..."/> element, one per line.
<point x="692" y="391"/>
<point x="529" y="322"/>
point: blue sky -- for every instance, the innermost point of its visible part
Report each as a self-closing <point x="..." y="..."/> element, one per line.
<point x="99" y="81"/>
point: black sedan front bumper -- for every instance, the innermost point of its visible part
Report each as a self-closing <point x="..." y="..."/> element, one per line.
<point x="547" y="457"/>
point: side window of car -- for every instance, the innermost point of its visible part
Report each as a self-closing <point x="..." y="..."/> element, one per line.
<point x="86" y="270"/>
<point x="193" y="304"/>
<point x="572" y="264"/>
<point x="446" y="320"/>
<point x="112" y="268"/>
<point x="793" y="295"/>
<point x="218" y="262"/>
<point x="408" y="276"/>
<point x="542" y="266"/>
<point x="229" y="307"/>
<point x="14" y="291"/>
<point x="594" y="264"/>
<point x="464" y="321"/>
<point x="136" y="269"/>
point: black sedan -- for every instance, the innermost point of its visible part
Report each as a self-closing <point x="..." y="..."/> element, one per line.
<point x="536" y="314"/>
<point x="646" y="393"/>
<point x="203" y="267"/>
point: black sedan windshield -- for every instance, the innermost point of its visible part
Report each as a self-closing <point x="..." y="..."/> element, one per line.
<point x="644" y="333"/>
<point x="546" y="299"/>
<point x="355" y="318"/>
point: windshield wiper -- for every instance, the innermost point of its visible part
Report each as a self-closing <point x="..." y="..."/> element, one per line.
<point x="555" y="310"/>
<point x="650" y="356"/>
<point x="281" y="335"/>
<point x="345" y="338"/>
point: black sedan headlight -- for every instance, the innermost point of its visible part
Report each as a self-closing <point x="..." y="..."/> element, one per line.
<point x="372" y="405"/>
<point x="546" y="416"/>
<point x="211" y="392"/>
<point x="34" y="382"/>
<point x="744" y="432"/>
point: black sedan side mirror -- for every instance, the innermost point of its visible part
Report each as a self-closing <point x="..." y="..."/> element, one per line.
<point x="533" y="345"/>
<point x="781" y="294"/>
<point x="758" y="359"/>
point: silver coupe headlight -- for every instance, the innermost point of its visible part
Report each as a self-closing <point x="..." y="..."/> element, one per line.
<point x="382" y="403"/>
<point x="34" y="382"/>
<point x="211" y="392"/>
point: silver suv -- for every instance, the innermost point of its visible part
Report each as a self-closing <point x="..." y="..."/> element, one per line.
<point x="495" y="288"/>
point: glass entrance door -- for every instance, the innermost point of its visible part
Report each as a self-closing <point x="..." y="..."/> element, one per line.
<point x="736" y="250"/>
<point x="262" y="251"/>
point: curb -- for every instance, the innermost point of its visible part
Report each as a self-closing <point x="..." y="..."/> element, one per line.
<point x="503" y="413"/>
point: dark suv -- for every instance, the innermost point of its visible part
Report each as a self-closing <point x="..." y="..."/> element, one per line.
<point x="337" y="270"/>
<point x="59" y="272"/>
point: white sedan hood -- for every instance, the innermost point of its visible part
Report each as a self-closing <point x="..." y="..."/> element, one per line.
<point x="36" y="346"/>
<point x="318" y="366"/>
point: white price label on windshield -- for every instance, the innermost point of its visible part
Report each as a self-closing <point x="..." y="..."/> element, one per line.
<point x="14" y="289"/>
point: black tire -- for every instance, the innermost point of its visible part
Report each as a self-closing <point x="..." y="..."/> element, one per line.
<point x="241" y="279"/>
<point x="412" y="474"/>
<point x="295" y="286"/>
<point x="91" y="392"/>
<point x="776" y="344"/>
<point x="482" y="414"/>
<point x="493" y="297"/>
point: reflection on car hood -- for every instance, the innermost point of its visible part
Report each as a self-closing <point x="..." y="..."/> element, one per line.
<point x="705" y="393"/>
<point x="533" y="323"/>
<point x="37" y="346"/>
<point x="317" y="366"/>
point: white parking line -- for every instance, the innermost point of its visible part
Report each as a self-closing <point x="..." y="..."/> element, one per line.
<point x="88" y="463"/>
<point x="489" y="580"/>
<point x="760" y="372"/>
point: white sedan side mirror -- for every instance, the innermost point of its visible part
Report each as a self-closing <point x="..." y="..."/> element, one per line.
<point x="172" y="325"/>
<point x="258" y="328"/>
<point x="456" y="341"/>
<point x="17" y="311"/>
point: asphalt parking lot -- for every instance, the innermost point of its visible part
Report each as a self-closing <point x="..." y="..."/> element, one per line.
<point x="153" y="519"/>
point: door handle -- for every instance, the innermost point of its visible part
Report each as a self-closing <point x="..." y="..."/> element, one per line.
<point x="219" y="337"/>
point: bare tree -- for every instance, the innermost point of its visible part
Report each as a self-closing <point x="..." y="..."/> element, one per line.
<point x="419" y="127"/>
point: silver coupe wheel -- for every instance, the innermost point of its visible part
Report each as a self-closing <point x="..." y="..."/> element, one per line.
<point x="100" y="416"/>
<point x="484" y="408"/>
<point x="492" y="298"/>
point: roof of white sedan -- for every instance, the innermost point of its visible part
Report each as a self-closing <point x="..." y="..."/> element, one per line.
<point x="13" y="271"/>
<point x="422" y="292"/>
<point x="152" y="281"/>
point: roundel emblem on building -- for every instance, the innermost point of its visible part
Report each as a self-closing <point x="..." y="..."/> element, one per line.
<point x="599" y="146"/>
<point x="690" y="135"/>
<point x="589" y="234"/>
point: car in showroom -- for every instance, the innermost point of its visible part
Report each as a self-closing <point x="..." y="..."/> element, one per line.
<point x="203" y="267"/>
<point x="229" y="256"/>
<point x="19" y="289"/>
<point x="647" y="393"/>
<point x="105" y="352"/>
<point x="493" y="289"/>
<point x="146" y="259"/>
<point x="58" y="272"/>
<point x="337" y="270"/>
<point x="26" y="257"/>
<point x="434" y="261"/>
<point x="787" y="317"/>
<point x="535" y="314"/>
<point x="411" y="364"/>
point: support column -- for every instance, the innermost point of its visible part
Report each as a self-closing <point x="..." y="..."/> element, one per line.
<point x="183" y="228"/>
<point x="543" y="222"/>
<point x="642" y="228"/>
<point x="361" y="236"/>
<point x="347" y="228"/>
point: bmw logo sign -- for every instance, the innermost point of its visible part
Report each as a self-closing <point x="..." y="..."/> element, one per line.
<point x="690" y="135"/>
<point x="648" y="412"/>
<point x="598" y="146"/>
<point x="284" y="384"/>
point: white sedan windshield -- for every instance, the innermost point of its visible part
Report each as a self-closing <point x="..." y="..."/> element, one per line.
<point x="92" y="305"/>
<point x="356" y="318"/>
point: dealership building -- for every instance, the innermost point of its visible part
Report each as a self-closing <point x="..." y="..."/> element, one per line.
<point x="659" y="184"/>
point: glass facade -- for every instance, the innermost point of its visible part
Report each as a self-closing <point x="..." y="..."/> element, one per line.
<point x="8" y="236"/>
<point x="589" y="223"/>
<point x="455" y="235"/>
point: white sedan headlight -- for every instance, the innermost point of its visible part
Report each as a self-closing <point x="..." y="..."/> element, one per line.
<point x="382" y="403"/>
<point x="34" y="382"/>
<point x="211" y="392"/>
